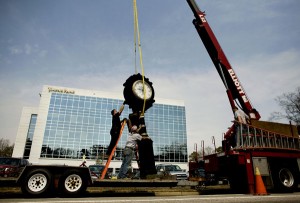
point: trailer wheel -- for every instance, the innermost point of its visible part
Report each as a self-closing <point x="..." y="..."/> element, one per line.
<point x="37" y="182"/>
<point x="73" y="183"/>
<point x="284" y="180"/>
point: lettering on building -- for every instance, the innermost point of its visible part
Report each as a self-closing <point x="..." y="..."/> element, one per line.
<point x="63" y="91"/>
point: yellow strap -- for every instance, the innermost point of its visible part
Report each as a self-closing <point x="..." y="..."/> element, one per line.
<point x="137" y="33"/>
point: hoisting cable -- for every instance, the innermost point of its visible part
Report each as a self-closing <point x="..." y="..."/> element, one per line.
<point x="137" y="33"/>
<point x="135" y="28"/>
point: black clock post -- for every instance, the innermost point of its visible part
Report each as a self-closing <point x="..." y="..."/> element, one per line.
<point x="134" y="97"/>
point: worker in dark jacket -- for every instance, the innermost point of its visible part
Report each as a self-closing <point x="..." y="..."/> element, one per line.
<point x="115" y="129"/>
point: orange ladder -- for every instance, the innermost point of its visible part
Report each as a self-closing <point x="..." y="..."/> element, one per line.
<point x="112" y="152"/>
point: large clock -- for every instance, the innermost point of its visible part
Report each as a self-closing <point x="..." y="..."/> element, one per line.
<point x="136" y="91"/>
<point x="142" y="90"/>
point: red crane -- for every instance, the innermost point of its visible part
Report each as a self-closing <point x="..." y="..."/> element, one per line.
<point x="265" y="145"/>
<point x="235" y="91"/>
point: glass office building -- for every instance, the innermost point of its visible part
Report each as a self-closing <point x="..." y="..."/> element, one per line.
<point x="29" y="137"/>
<point x="72" y="124"/>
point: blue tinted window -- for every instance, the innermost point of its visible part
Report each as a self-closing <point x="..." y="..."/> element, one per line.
<point x="30" y="133"/>
<point x="80" y="125"/>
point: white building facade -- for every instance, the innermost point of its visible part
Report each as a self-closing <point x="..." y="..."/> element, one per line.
<point x="71" y="125"/>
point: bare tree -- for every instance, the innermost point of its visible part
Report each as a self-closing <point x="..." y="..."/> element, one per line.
<point x="5" y="148"/>
<point x="208" y="150"/>
<point x="195" y="156"/>
<point x="290" y="104"/>
<point x="199" y="155"/>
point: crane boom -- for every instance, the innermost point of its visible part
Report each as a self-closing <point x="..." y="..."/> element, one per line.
<point x="234" y="89"/>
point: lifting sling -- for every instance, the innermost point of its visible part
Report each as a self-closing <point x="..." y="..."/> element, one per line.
<point x="137" y="39"/>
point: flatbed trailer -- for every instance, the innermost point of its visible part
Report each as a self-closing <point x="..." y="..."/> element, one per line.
<point x="40" y="180"/>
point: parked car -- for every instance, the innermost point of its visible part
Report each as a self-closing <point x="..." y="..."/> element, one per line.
<point x="96" y="171"/>
<point x="12" y="167"/>
<point x="173" y="170"/>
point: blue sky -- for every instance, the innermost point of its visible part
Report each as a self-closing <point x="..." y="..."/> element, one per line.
<point x="89" y="45"/>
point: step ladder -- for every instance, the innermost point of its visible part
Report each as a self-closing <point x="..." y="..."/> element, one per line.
<point x="112" y="152"/>
<point x="253" y="137"/>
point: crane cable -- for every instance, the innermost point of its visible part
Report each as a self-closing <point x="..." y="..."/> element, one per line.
<point x="138" y="40"/>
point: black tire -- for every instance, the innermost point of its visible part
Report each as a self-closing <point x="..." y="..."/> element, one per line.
<point x="284" y="179"/>
<point x="73" y="183"/>
<point x="136" y="104"/>
<point x="37" y="182"/>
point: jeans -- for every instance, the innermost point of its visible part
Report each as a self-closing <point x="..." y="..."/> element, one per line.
<point x="127" y="158"/>
<point x="114" y="138"/>
<point x="240" y="131"/>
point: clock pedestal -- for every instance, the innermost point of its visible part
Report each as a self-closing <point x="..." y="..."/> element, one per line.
<point x="145" y="147"/>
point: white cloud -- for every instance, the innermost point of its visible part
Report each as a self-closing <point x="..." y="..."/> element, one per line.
<point x="14" y="50"/>
<point x="27" y="49"/>
<point x="270" y="75"/>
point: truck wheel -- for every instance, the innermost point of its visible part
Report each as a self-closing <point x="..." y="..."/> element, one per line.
<point x="37" y="182"/>
<point x="284" y="180"/>
<point x="72" y="183"/>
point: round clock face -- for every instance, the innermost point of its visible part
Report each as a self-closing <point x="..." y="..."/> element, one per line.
<point x="138" y="89"/>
